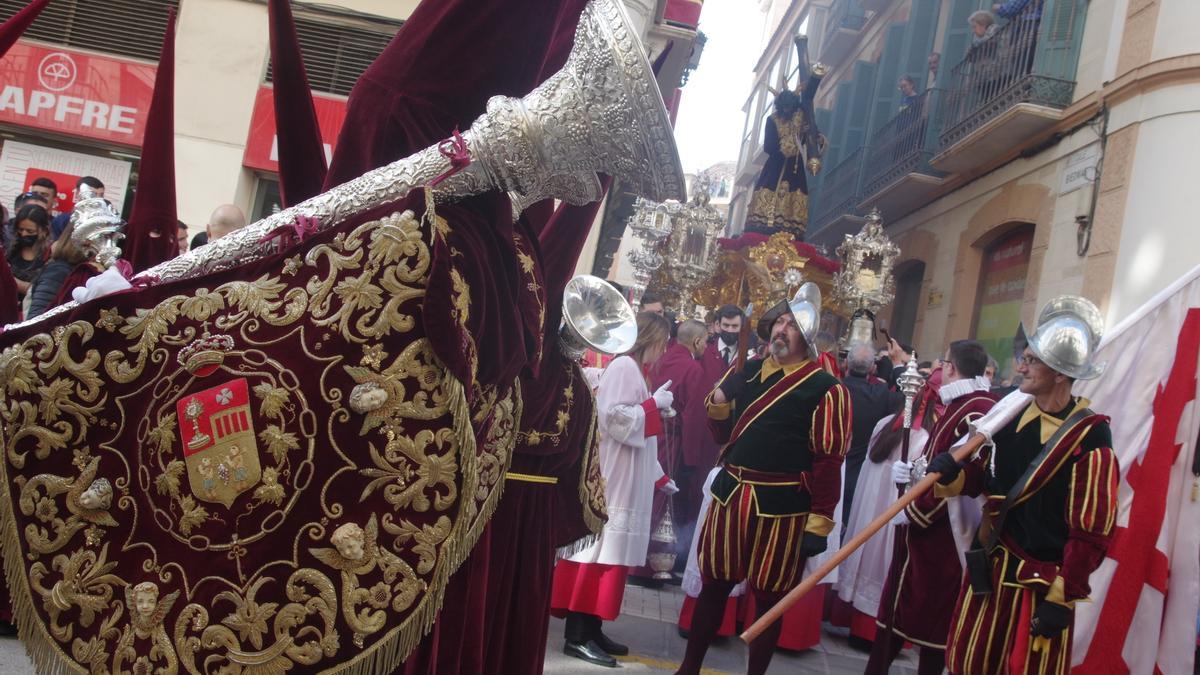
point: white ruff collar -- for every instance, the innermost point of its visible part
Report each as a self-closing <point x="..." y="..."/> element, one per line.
<point x="953" y="390"/>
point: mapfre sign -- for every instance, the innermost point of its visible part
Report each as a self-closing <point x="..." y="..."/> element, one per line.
<point x="69" y="92"/>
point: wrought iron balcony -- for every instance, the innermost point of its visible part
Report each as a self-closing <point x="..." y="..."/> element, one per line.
<point x="837" y="198"/>
<point x="1011" y="85"/>
<point x="842" y="28"/>
<point x="897" y="176"/>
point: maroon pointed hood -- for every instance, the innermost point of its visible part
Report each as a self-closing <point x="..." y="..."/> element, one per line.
<point x="302" y="165"/>
<point x="15" y="27"/>
<point x="150" y="236"/>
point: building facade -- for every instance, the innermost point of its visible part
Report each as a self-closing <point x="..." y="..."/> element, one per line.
<point x="1048" y="156"/>
<point x="74" y="93"/>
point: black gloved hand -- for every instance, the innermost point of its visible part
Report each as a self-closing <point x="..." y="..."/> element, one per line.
<point x="945" y="465"/>
<point x="813" y="544"/>
<point x="1050" y="619"/>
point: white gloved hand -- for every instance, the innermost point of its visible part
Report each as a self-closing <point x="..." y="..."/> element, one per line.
<point x="663" y="398"/>
<point x="108" y="281"/>
<point x="670" y="488"/>
<point x="900" y="518"/>
<point x="901" y="472"/>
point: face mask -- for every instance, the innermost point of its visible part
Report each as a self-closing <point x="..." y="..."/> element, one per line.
<point x="729" y="337"/>
<point x="27" y="241"/>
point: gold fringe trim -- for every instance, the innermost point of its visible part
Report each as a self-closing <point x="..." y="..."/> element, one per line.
<point x="41" y="648"/>
<point x="594" y="521"/>
<point x="391" y="651"/>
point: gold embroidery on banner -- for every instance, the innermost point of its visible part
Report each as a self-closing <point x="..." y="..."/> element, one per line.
<point x="51" y="400"/>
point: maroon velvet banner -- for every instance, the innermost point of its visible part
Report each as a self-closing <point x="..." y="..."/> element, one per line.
<point x="261" y="470"/>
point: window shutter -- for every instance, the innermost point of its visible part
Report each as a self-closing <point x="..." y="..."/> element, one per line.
<point x="957" y="38"/>
<point x="860" y="106"/>
<point x="1059" y="37"/>
<point x="839" y="127"/>
<point x="824" y="122"/>
<point x="922" y="24"/>
<point x="336" y="53"/>
<point x="886" y="96"/>
<point x="129" y="28"/>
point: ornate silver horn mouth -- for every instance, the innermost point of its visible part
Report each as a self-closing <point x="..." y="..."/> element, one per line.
<point x="597" y="317"/>
<point x="602" y="113"/>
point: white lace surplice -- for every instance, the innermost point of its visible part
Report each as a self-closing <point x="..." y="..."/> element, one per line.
<point x="861" y="575"/>
<point x="629" y="463"/>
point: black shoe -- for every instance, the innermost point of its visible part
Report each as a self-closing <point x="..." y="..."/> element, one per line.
<point x="645" y="582"/>
<point x="7" y="629"/>
<point x="591" y="652"/>
<point x="606" y="643"/>
<point x="860" y="644"/>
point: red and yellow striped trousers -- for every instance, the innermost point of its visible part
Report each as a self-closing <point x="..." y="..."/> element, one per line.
<point x="739" y="543"/>
<point x="989" y="634"/>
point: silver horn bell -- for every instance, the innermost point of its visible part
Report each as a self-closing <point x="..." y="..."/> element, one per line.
<point x="596" y="316"/>
<point x="1067" y="335"/>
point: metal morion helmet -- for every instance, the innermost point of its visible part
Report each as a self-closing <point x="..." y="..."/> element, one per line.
<point x="1067" y="335"/>
<point x="805" y="306"/>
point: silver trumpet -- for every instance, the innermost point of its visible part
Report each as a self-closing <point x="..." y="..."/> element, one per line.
<point x="602" y="113"/>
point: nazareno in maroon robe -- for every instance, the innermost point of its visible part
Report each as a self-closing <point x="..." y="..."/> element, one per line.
<point x="434" y="77"/>
<point x="681" y="434"/>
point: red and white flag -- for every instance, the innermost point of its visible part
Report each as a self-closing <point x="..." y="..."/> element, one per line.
<point x="1146" y="593"/>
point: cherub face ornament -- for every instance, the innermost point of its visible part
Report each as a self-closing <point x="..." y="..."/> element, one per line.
<point x="349" y="540"/>
<point x="98" y="496"/>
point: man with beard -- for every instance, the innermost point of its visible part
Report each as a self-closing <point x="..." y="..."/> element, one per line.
<point x="1050" y="483"/>
<point x="786" y="423"/>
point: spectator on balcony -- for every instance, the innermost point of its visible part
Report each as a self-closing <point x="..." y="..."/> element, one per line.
<point x="1026" y="10"/>
<point x="910" y="122"/>
<point x="910" y="98"/>
<point x="981" y="66"/>
<point x="1024" y="17"/>
<point x="983" y="27"/>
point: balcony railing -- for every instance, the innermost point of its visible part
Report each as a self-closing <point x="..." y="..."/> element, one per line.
<point x="904" y="145"/>
<point x="1025" y="61"/>
<point x="839" y="191"/>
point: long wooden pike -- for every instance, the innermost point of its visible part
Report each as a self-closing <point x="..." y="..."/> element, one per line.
<point x="961" y="453"/>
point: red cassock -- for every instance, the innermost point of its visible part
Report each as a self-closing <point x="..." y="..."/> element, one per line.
<point x="680" y="433"/>
<point x="925" y="565"/>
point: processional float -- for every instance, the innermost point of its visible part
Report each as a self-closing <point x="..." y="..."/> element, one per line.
<point x="254" y="461"/>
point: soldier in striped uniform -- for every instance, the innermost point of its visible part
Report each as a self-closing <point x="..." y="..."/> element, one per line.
<point x="1050" y="485"/>
<point x="786" y="423"/>
<point x="917" y="600"/>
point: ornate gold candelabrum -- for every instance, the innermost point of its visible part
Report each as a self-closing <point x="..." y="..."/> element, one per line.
<point x="651" y="223"/>
<point x="692" y="251"/>
<point x="864" y="284"/>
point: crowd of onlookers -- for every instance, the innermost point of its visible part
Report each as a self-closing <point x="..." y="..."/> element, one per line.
<point x="43" y="263"/>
